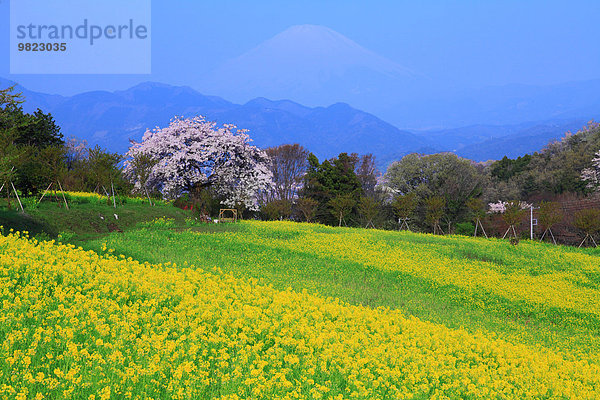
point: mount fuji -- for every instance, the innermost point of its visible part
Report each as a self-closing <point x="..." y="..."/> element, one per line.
<point x="317" y="66"/>
<point x="312" y="65"/>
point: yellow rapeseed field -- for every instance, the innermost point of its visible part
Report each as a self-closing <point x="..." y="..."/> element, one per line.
<point x="94" y="198"/>
<point x="78" y="325"/>
<point x="566" y="286"/>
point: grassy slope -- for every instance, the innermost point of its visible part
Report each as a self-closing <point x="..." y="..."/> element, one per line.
<point x="279" y="257"/>
<point x="79" y="325"/>
<point x="82" y="221"/>
<point x="285" y="258"/>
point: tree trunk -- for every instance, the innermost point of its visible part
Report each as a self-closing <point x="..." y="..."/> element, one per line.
<point x="150" y="200"/>
<point x="8" y="196"/>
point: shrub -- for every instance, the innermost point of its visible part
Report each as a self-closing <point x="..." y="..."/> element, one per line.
<point x="434" y="212"/>
<point x="465" y="228"/>
<point x="513" y="213"/>
<point x="307" y="207"/>
<point x="405" y="205"/>
<point x="550" y="214"/>
<point x="588" y="221"/>
<point x="278" y="209"/>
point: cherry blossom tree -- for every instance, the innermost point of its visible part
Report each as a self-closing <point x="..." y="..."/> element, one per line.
<point x="192" y="154"/>
<point x="501" y="206"/>
<point x="592" y="175"/>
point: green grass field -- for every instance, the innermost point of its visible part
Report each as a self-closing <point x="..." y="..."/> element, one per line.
<point x="531" y="293"/>
<point x="289" y="310"/>
<point x="84" y="219"/>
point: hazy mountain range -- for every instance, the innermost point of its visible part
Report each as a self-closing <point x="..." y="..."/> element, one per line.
<point x="369" y="102"/>
<point x="111" y="119"/>
<point x="316" y="66"/>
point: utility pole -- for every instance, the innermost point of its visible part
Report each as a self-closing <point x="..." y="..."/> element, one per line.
<point x="532" y="222"/>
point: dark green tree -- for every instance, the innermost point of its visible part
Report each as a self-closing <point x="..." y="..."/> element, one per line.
<point x="507" y="168"/>
<point x="8" y="97"/>
<point x="328" y="180"/>
<point x="30" y="134"/>
<point x="556" y="169"/>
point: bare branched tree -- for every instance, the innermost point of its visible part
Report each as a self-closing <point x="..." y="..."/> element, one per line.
<point x="288" y="165"/>
<point x="307" y="207"/>
<point x="367" y="173"/>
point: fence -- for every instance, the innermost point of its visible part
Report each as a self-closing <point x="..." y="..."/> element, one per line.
<point x="564" y="231"/>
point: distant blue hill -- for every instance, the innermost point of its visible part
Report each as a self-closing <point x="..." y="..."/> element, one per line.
<point x="112" y="119"/>
<point x="524" y="141"/>
<point x="492" y="142"/>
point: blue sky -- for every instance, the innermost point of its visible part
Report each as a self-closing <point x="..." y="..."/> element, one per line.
<point x="468" y="43"/>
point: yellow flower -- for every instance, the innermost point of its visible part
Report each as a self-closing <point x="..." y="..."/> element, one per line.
<point x="173" y="331"/>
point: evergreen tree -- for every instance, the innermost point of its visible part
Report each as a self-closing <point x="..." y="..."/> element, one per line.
<point x="329" y="180"/>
